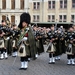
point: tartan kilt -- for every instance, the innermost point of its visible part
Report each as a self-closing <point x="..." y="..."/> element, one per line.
<point x="51" y="49"/>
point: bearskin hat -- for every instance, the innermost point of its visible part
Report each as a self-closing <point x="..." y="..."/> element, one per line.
<point x="25" y="17"/>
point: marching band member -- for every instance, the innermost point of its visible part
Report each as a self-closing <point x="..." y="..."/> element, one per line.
<point x="24" y="51"/>
<point x="1" y="44"/>
<point x="70" y="46"/>
<point x="15" y="39"/>
<point x="51" y="49"/>
<point x="60" y="45"/>
<point x="38" y="38"/>
<point x="74" y="38"/>
<point x="32" y="43"/>
<point x="3" y="25"/>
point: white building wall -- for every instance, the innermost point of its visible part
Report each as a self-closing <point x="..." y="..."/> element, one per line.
<point x="8" y="5"/>
<point x="17" y="4"/>
<point x="29" y="4"/>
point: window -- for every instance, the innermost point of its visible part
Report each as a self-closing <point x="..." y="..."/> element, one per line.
<point x="35" y="18"/>
<point x="12" y="4"/>
<point x="51" y="18"/>
<point x="51" y="4"/>
<point x="12" y="19"/>
<point x="63" y="3"/>
<point x="62" y="18"/>
<point x="3" y="4"/>
<point x="73" y="3"/>
<point x="36" y="5"/>
<point x="21" y="4"/>
<point x="72" y="18"/>
<point x="3" y="17"/>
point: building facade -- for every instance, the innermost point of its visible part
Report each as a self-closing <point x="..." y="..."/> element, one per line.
<point x="12" y="9"/>
<point x="40" y="10"/>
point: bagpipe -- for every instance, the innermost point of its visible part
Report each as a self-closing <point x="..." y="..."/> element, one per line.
<point x="6" y="30"/>
<point x="61" y="35"/>
<point x="22" y="36"/>
<point x="16" y="32"/>
<point x="51" y="45"/>
<point x="52" y="34"/>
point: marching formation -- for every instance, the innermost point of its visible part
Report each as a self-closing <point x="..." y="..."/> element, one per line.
<point x="28" y="41"/>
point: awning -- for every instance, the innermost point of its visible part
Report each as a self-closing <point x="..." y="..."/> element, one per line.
<point x="51" y="23"/>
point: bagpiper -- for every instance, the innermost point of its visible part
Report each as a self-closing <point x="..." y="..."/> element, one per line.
<point x="5" y="39"/>
<point x="51" y="47"/>
<point x="60" y="43"/>
<point x="1" y="44"/>
<point x="38" y="38"/>
<point x="16" y="33"/>
<point x="26" y="43"/>
<point x="70" y="46"/>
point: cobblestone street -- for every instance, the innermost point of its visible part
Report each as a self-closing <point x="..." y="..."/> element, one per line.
<point x="39" y="66"/>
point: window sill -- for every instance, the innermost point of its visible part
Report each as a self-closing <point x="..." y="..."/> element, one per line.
<point x="36" y="9"/>
<point x="51" y="9"/>
<point x="62" y="8"/>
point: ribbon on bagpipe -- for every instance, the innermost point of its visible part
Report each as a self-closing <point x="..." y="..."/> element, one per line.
<point x="22" y="36"/>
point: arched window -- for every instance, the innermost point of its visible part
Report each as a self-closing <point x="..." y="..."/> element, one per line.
<point x="12" y="19"/>
<point x="3" y="17"/>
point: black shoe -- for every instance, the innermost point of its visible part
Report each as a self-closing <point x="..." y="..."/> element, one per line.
<point x="53" y="62"/>
<point x="28" y="60"/>
<point x="6" y="58"/>
<point x="1" y="58"/>
<point x="58" y="59"/>
<point x="73" y="64"/>
<point x="21" y="68"/>
<point x="24" y="68"/>
<point x="49" y="63"/>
